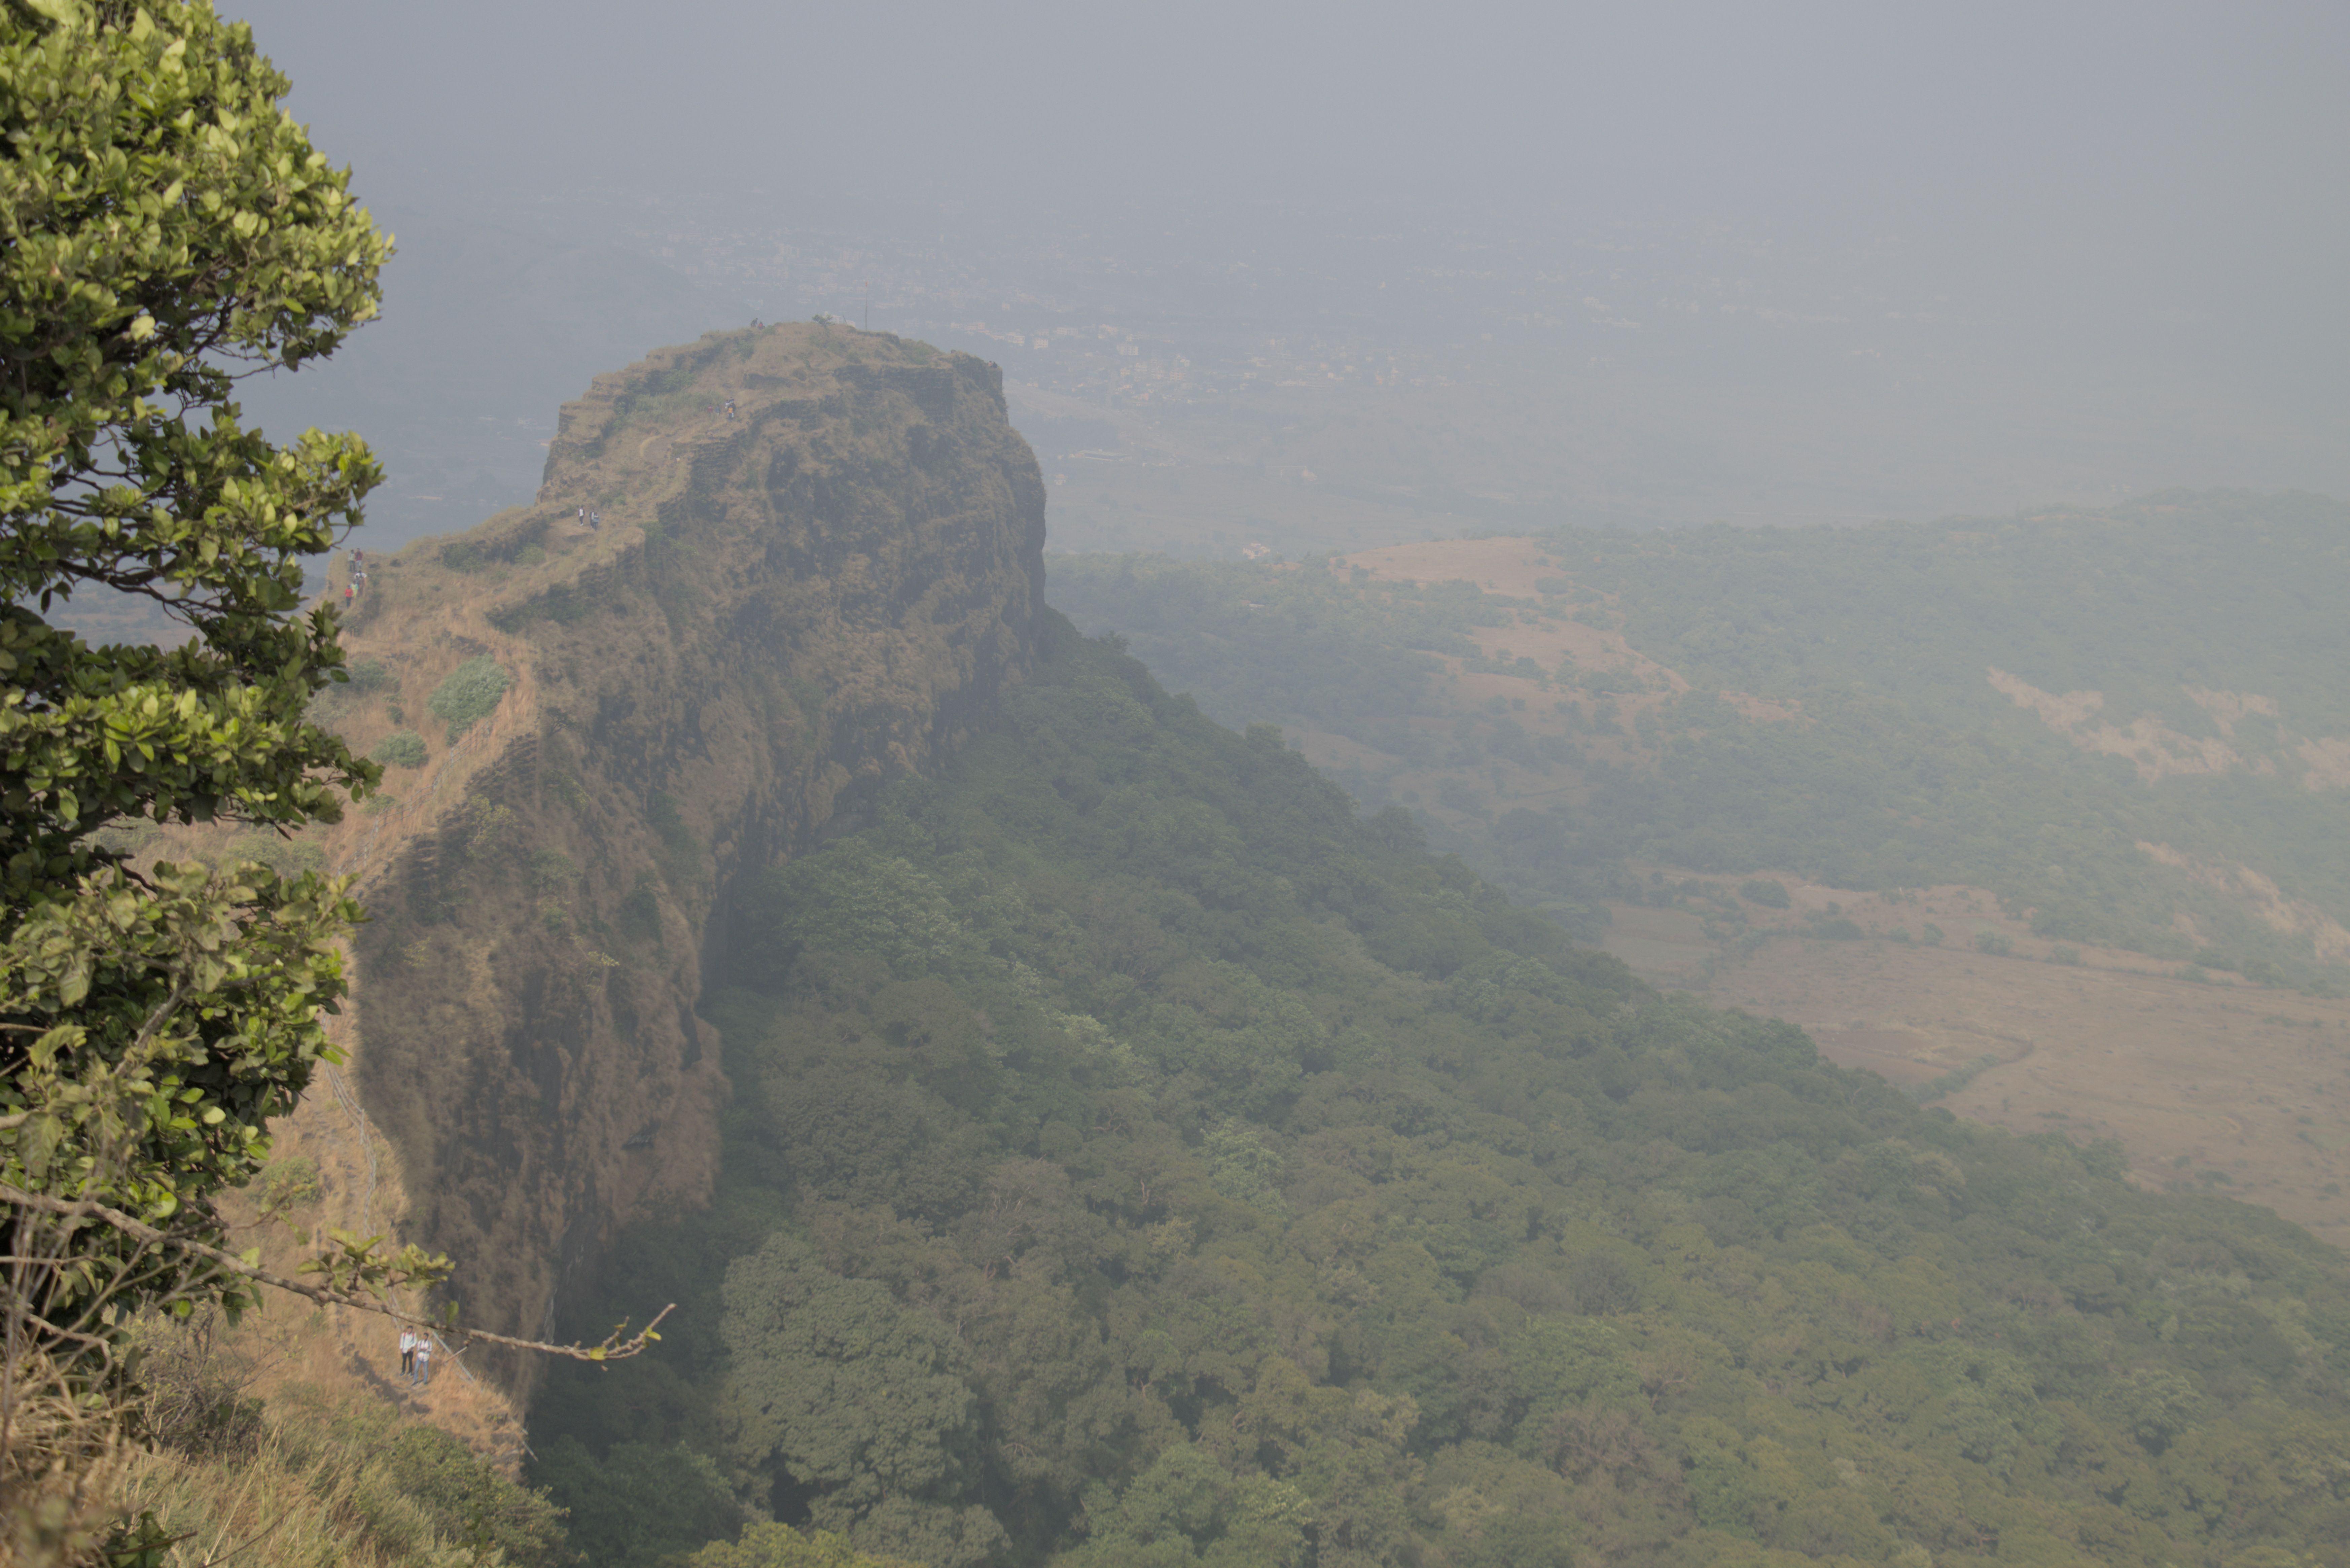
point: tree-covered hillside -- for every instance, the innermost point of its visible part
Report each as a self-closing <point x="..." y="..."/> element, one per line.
<point x="2112" y="720"/>
<point x="1136" y="1157"/>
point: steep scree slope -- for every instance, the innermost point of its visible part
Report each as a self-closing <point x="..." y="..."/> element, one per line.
<point x="782" y="608"/>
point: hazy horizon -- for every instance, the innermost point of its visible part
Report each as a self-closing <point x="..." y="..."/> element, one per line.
<point x="1815" y="264"/>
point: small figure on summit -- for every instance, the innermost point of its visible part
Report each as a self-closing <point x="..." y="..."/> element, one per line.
<point x="408" y="1354"/>
<point x="729" y="408"/>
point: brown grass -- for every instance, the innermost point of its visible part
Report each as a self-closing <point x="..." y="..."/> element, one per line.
<point x="340" y="1353"/>
<point x="312" y="1493"/>
<point x="2211" y="1085"/>
<point x="61" y="1469"/>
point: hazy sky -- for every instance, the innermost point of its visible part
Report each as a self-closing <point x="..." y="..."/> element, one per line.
<point x="2127" y="185"/>
<point x="2155" y="162"/>
<point x="2143" y="120"/>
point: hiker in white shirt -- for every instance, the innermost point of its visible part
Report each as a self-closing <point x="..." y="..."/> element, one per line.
<point x="408" y="1354"/>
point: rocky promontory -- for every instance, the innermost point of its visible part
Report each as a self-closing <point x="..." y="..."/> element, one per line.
<point x="767" y="571"/>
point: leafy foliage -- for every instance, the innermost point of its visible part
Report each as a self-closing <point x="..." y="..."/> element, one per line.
<point x="1136" y="1157"/>
<point x="640" y="1505"/>
<point x="844" y="1390"/>
<point x="167" y="227"/>
<point x="771" y="1546"/>
<point x="168" y="222"/>
<point x="466" y="1497"/>
<point x="401" y="749"/>
<point x="470" y="693"/>
<point x="292" y="1182"/>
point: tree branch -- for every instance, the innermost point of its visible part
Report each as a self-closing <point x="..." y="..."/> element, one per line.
<point x="613" y="1349"/>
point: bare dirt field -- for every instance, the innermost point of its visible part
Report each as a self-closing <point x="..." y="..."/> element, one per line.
<point x="2210" y="1084"/>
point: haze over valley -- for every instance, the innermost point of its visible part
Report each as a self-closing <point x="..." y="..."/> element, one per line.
<point x="1220" y="787"/>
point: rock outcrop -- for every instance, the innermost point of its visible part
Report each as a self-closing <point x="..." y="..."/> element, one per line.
<point x="820" y="561"/>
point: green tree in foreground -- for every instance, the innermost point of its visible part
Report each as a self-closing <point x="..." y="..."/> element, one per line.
<point x="167" y="228"/>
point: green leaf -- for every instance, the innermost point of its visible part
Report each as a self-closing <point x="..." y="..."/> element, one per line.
<point x="161" y="204"/>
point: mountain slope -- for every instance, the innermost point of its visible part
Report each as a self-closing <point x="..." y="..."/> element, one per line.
<point x="1137" y="1156"/>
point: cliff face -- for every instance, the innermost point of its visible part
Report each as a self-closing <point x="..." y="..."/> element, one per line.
<point x="781" y="611"/>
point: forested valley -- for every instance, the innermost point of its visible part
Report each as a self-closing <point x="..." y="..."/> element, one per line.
<point x="1136" y="1156"/>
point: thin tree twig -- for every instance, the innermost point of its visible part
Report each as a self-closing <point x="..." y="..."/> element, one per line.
<point x="613" y="1349"/>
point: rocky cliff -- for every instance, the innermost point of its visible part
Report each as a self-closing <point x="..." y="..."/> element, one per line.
<point x="820" y="560"/>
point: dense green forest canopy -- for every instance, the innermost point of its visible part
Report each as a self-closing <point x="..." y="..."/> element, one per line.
<point x="2210" y="617"/>
<point x="1138" y="1157"/>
